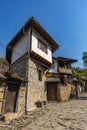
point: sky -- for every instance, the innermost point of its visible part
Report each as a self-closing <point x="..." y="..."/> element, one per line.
<point x="64" y="20"/>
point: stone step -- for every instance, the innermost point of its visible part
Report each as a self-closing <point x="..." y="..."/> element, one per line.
<point x="10" y="116"/>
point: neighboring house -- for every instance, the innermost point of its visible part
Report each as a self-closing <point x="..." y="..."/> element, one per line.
<point x="30" y="55"/>
<point x="52" y="81"/>
<point x="65" y="69"/>
<point x="59" y="76"/>
<point x="2" y="88"/>
<point x="84" y="80"/>
<point x="4" y="66"/>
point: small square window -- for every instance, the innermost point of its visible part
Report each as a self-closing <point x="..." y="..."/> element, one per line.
<point x="53" y="65"/>
<point x="40" y="75"/>
<point x="42" y="46"/>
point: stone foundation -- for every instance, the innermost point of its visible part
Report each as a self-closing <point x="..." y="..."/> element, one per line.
<point x="36" y="88"/>
<point x="10" y="116"/>
<point x="20" y="106"/>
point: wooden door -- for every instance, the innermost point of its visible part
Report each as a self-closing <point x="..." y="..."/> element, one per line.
<point x="52" y="92"/>
<point x="11" y="96"/>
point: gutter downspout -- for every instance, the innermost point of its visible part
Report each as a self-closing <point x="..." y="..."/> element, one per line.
<point x="28" y="67"/>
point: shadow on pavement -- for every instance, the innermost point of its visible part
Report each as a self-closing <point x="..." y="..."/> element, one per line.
<point x="82" y="98"/>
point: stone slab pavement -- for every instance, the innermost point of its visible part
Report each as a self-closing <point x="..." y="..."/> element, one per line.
<point x="71" y="115"/>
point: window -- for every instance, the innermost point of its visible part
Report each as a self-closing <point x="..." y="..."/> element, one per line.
<point x="40" y="75"/>
<point x="53" y="65"/>
<point x="0" y="83"/>
<point x="42" y="46"/>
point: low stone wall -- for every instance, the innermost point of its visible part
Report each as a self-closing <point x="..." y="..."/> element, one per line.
<point x="1" y="98"/>
<point x="64" y="92"/>
<point x="20" y="106"/>
<point x="21" y="100"/>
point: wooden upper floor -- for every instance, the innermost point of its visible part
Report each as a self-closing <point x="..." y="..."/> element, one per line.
<point x="65" y="70"/>
<point x="35" y="41"/>
<point x="61" y="65"/>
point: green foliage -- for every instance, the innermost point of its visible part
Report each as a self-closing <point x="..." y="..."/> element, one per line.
<point x="78" y="72"/>
<point x="84" y="58"/>
<point x="4" y="61"/>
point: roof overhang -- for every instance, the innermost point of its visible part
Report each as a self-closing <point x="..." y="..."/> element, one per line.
<point x="66" y="60"/>
<point x="31" y="23"/>
<point x="15" y="76"/>
<point x="52" y="79"/>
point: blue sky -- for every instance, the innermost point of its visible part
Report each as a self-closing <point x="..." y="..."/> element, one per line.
<point x="64" y="20"/>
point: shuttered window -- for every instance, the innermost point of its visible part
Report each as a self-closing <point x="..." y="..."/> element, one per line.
<point x="42" y="46"/>
<point x="40" y="75"/>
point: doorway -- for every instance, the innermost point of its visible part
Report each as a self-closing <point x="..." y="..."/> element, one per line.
<point x="52" y="91"/>
<point x="11" y="96"/>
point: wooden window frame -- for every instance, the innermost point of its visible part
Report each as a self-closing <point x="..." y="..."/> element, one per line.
<point x="42" y="46"/>
<point x="40" y="75"/>
<point x="53" y="65"/>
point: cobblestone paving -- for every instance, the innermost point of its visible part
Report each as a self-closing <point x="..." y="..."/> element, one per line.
<point x="71" y="115"/>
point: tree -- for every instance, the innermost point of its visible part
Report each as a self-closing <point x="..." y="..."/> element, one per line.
<point x="79" y="72"/>
<point x="84" y="58"/>
<point x="4" y="61"/>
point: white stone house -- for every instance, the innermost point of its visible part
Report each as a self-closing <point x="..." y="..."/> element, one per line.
<point x="29" y="54"/>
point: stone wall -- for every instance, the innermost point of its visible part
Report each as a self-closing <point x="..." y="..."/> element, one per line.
<point x="20" y="106"/>
<point x="20" y="67"/>
<point x="21" y="100"/>
<point x="36" y="88"/>
<point x="4" y="66"/>
<point x="2" y="88"/>
<point x="64" y="92"/>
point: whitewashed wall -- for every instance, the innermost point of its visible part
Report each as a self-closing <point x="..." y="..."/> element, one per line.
<point x="55" y="69"/>
<point x="20" y="48"/>
<point x="35" y="48"/>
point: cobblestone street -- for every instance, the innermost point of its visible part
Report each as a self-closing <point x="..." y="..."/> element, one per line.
<point x="71" y="115"/>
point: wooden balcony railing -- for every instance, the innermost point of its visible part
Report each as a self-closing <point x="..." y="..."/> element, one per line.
<point x="64" y="70"/>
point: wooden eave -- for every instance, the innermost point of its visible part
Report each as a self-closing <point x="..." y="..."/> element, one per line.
<point x="67" y="61"/>
<point x="15" y="76"/>
<point x="55" y="58"/>
<point x="39" y="58"/>
<point x="31" y="23"/>
<point x="49" y="74"/>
